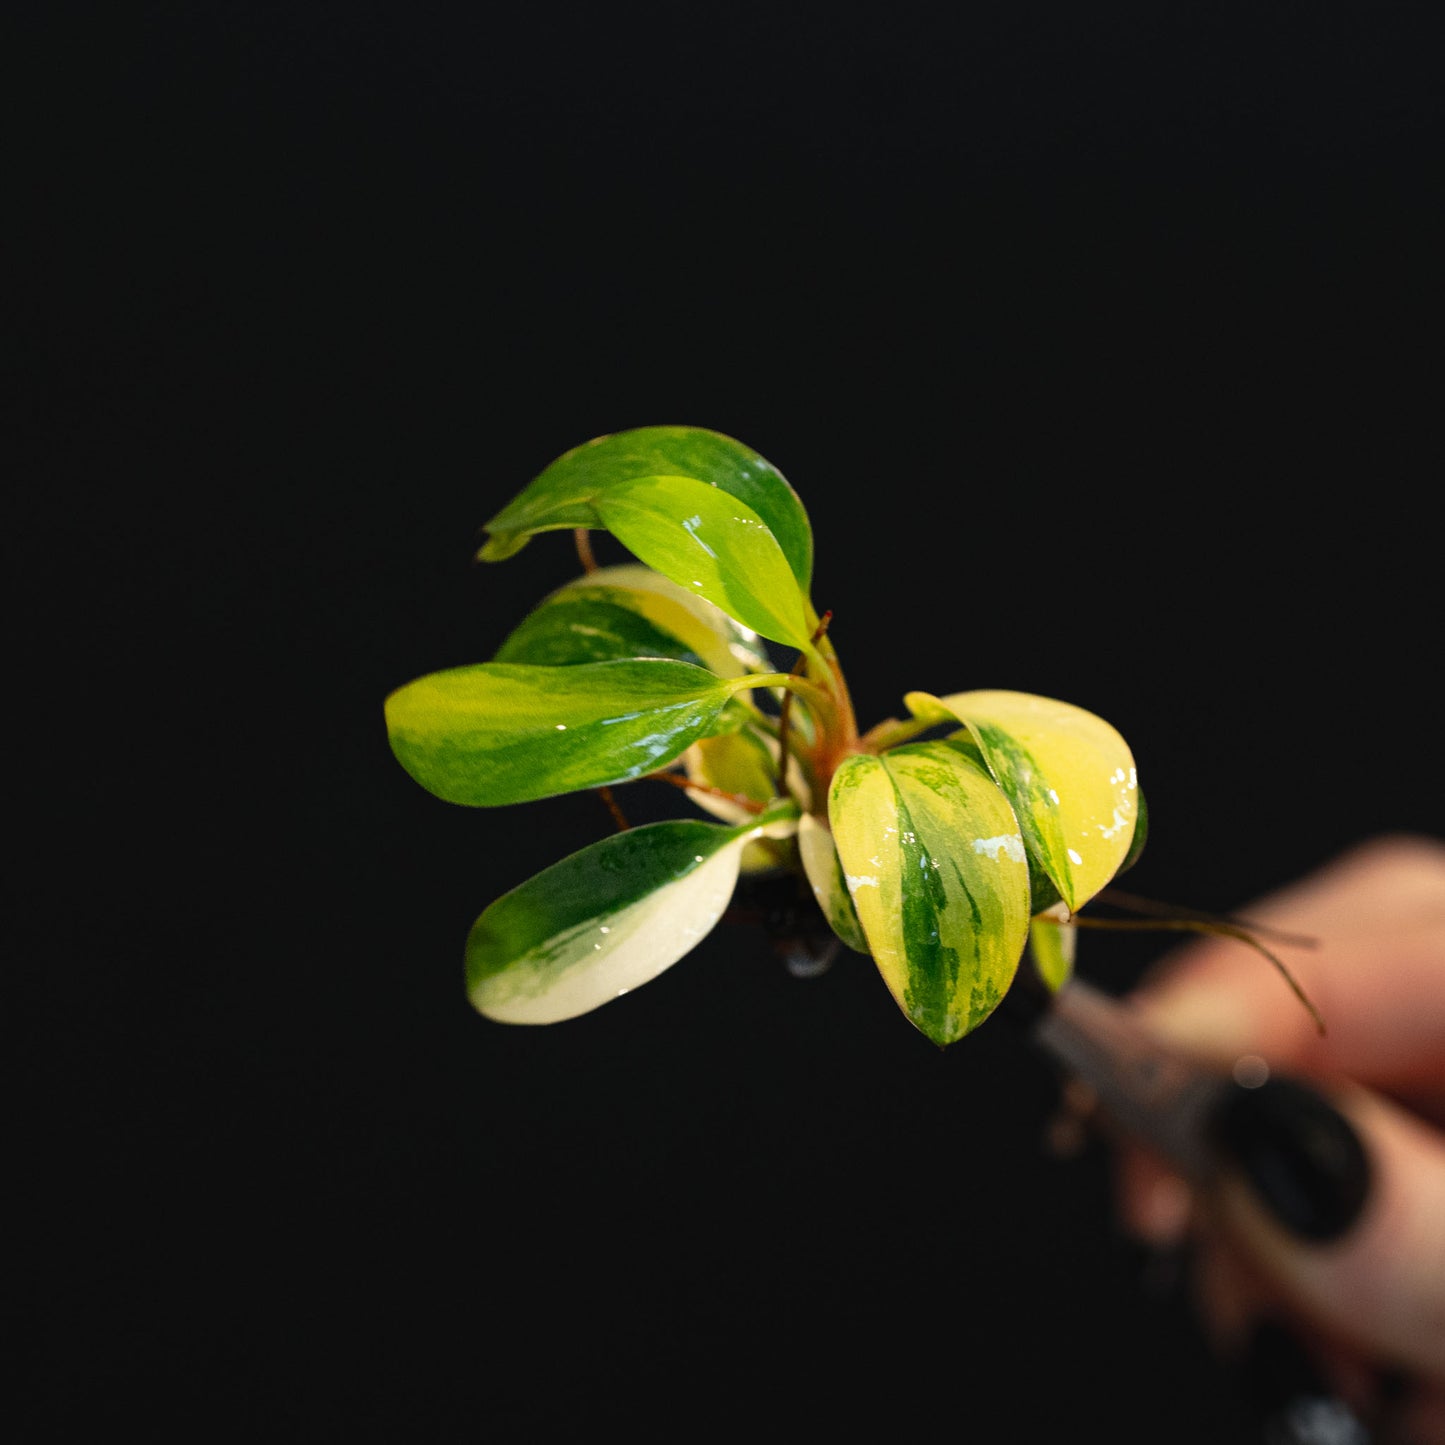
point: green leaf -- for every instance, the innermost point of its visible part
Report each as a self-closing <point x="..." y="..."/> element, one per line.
<point x="1053" y="943"/>
<point x="1141" y="834"/>
<point x="1069" y="775"/>
<point x="498" y="732"/>
<point x="825" y="877"/>
<point x="936" y="869"/>
<point x="1042" y="893"/>
<point x="631" y="611"/>
<point x="607" y="919"/>
<point x="713" y="545"/>
<point x="564" y="493"/>
<point x="745" y="764"/>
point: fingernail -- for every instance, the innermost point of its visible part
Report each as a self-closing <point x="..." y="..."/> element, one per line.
<point x="1302" y="1157"/>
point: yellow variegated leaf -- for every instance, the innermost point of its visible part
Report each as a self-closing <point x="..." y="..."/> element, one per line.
<point x="936" y="868"/>
<point x="1052" y="944"/>
<point x="1069" y="775"/>
<point x="726" y="647"/>
<point x="744" y="765"/>
<point x="825" y="878"/>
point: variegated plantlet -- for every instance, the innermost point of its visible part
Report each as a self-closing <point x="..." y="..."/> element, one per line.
<point x="947" y="844"/>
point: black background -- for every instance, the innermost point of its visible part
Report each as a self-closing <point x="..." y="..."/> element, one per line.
<point x="1102" y="345"/>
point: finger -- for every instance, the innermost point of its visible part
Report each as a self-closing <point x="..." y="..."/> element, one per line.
<point x="1380" y="882"/>
<point x="1374" y="992"/>
<point x="1379" y="916"/>
<point x="1381" y="1287"/>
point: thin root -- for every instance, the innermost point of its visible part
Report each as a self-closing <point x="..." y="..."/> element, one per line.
<point x="1220" y="927"/>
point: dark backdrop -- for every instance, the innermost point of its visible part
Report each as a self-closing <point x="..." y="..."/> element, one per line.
<point x="1102" y="344"/>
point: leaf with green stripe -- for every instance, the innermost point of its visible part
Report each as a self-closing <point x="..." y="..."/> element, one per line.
<point x="927" y="708"/>
<point x="713" y="545"/>
<point x="1141" y="832"/>
<point x="1053" y="943"/>
<point x="825" y="877"/>
<point x="607" y="919"/>
<point x="1069" y="775"/>
<point x="496" y="732"/>
<point x="936" y="869"/>
<point x="631" y="611"/>
<point x="563" y="494"/>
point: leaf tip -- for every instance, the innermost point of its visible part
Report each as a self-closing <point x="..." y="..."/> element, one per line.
<point x="501" y="545"/>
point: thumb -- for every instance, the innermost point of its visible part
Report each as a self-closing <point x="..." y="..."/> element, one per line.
<point x="1379" y="1284"/>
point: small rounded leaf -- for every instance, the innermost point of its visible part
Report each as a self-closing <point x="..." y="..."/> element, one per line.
<point x="1069" y="775"/>
<point x="825" y="877"/>
<point x="936" y="868"/>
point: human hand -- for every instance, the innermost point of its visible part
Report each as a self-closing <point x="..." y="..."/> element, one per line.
<point x="1368" y="1309"/>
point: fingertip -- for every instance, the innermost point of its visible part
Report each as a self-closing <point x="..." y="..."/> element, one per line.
<point x="1204" y="1007"/>
<point x="1380" y="1284"/>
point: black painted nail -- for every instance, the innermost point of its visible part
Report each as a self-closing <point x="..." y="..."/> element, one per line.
<point x="1303" y="1158"/>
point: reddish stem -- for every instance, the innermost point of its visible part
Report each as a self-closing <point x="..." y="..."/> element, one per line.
<point x="618" y="816"/>
<point x="688" y="786"/>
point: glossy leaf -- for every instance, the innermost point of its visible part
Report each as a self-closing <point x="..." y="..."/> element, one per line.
<point x="631" y="611"/>
<point x="924" y="706"/>
<point x="564" y="493"/>
<point x="497" y="732"/>
<point x="935" y="866"/>
<point x="741" y="764"/>
<point x="607" y="919"/>
<point x="1141" y="832"/>
<point x="713" y="545"/>
<point x="1069" y="775"/>
<point x="1053" y="943"/>
<point x="744" y="764"/>
<point x="825" y="877"/>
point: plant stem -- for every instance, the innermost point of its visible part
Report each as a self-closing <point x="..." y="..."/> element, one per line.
<point x="618" y="816"/>
<point x="681" y="780"/>
<point x="838" y="727"/>
<point x="892" y="731"/>
<point x="785" y="710"/>
<point x="820" y="699"/>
